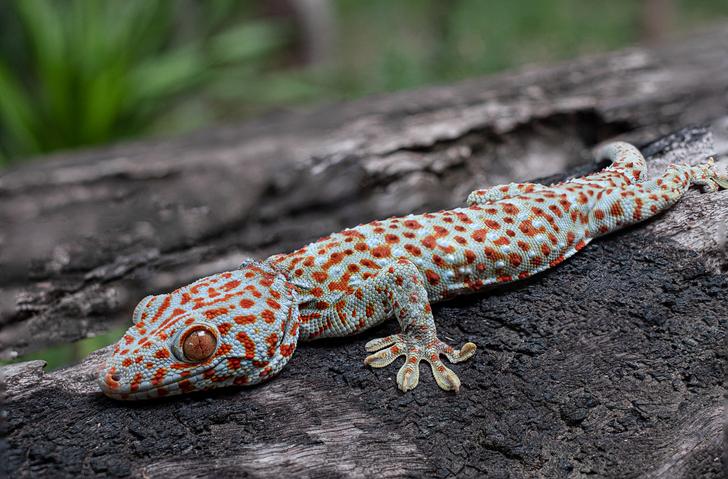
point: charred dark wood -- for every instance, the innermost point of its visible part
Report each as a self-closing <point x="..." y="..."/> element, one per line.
<point x="613" y="363"/>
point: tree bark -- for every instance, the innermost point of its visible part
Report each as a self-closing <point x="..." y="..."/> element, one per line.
<point x="613" y="363"/>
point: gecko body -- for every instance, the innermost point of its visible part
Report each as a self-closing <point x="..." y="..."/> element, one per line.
<point x="241" y="327"/>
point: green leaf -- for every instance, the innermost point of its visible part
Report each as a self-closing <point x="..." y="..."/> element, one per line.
<point x="16" y="114"/>
<point x="248" y="41"/>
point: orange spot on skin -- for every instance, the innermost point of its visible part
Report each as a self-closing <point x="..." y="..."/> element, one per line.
<point x="247" y="343"/>
<point x="305" y="318"/>
<point x="509" y="209"/>
<point x="223" y="350"/>
<point x="287" y="350"/>
<point x="429" y="242"/>
<point x="413" y="250"/>
<point x="558" y="260"/>
<point x="599" y="214"/>
<point x="186" y="386"/>
<point x="527" y="228"/>
<point x="479" y="235"/>
<point x="491" y="254"/>
<point x="268" y="316"/>
<point x="230" y="285"/>
<point x="391" y="239"/>
<point x="637" y="214"/>
<point x="224" y="328"/>
<point x="440" y="231"/>
<point x="246" y="319"/>
<point x="247" y="303"/>
<point x="492" y="224"/>
<point x="470" y="256"/>
<point x="369" y="264"/>
<point x="158" y="377"/>
<point x="432" y="277"/>
<point x="381" y="251"/>
<point x="502" y="241"/>
<point x="319" y="276"/>
<point x="214" y="313"/>
<point x="272" y="342"/>
<point x="161" y="354"/>
<point x="135" y="382"/>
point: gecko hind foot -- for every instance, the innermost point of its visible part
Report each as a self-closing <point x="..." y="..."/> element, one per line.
<point x="416" y="350"/>
<point x="708" y="178"/>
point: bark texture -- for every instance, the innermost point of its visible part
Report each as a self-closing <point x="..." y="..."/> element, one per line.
<point x="613" y="363"/>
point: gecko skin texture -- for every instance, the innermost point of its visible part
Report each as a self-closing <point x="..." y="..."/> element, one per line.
<point x="241" y="327"/>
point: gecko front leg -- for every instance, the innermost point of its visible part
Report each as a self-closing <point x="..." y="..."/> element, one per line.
<point x="400" y="286"/>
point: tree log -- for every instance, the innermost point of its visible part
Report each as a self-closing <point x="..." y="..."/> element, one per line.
<point x="611" y="364"/>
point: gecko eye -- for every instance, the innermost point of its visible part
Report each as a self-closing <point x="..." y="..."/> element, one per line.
<point x="198" y="344"/>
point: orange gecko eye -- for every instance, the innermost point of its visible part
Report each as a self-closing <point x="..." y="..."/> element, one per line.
<point x="198" y="344"/>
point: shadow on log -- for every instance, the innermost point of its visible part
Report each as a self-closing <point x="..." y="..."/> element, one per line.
<point x="613" y="363"/>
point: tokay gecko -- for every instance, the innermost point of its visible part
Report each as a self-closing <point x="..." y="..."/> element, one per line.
<point x="241" y="327"/>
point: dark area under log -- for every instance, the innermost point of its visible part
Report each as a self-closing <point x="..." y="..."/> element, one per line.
<point x="612" y="364"/>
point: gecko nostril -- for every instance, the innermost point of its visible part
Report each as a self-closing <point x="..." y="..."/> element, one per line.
<point x="116" y="377"/>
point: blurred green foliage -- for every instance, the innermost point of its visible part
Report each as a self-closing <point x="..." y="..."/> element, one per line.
<point x="83" y="72"/>
<point x="63" y="355"/>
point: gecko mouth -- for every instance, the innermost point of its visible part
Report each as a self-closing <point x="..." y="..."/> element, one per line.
<point x="109" y="382"/>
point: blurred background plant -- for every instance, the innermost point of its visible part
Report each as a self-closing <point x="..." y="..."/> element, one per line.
<point x="84" y="72"/>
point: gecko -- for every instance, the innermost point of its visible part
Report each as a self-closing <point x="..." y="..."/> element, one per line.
<point x="242" y="327"/>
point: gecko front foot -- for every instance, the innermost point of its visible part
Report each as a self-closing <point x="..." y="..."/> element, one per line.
<point x="416" y="348"/>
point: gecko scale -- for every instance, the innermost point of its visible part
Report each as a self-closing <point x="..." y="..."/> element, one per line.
<point x="241" y="327"/>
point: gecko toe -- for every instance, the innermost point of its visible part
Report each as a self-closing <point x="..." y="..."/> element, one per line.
<point x="444" y="376"/>
<point x="462" y="354"/>
<point x="409" y="375"/>
<point x="379" y="343"/>
<point x="384" y="357"/>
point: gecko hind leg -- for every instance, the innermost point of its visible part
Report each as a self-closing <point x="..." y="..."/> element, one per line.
<point x="402" y="287"/>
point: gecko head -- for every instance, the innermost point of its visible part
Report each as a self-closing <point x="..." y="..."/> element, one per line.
<point x="238" y="327"/>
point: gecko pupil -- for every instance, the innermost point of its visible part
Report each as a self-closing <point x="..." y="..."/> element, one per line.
<point x="199" y="345"/>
